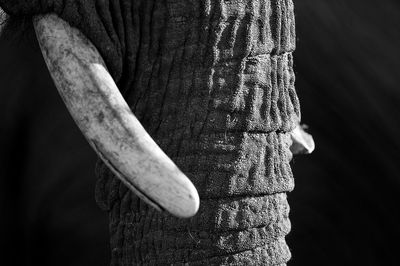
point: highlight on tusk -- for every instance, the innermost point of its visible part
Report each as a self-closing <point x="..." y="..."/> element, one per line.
<point x="302" y="142"/>
<point x="107" y="122"/>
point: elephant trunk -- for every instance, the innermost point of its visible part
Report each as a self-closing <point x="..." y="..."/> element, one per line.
<point x="213" y="84"/>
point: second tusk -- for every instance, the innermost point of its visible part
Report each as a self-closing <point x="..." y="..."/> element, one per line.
<point x="302" y="142"/>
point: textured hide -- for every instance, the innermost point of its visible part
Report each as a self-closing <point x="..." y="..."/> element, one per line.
<point x="214" y="85"/>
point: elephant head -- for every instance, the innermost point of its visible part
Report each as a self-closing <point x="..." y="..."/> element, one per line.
<point x="212" y="82"/>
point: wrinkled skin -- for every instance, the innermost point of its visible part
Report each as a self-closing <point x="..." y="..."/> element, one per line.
<point x="213" y="83"/>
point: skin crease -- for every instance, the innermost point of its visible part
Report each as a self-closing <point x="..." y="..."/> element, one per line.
<point x="343" y="229"/>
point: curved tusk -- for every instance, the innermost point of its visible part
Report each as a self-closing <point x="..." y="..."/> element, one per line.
<point x="302" y="142"/>
<point x="107" y="122"/>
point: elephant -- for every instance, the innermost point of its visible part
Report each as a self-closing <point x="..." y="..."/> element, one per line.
<point x="213" y="83"/>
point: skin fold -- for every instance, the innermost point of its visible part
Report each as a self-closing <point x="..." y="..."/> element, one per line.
<point x="213" y="84"/>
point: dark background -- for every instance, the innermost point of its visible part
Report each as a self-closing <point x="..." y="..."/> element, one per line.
<point x="344" y="210"/>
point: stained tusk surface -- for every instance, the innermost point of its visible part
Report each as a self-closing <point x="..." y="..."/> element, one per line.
<point x="107" y="122"/>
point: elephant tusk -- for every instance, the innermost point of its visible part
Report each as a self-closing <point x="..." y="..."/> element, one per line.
<point x="107" y="122"/>
<point x="302" y="142"/>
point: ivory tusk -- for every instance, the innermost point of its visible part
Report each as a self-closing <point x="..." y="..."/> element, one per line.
<point x="107" y="122"/>
<point x="302" y="142"/>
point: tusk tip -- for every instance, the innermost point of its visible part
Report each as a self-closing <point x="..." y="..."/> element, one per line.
<point x="189" y="206"/>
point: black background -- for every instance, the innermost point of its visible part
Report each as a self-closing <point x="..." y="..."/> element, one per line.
<point x="344" y="209"/>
